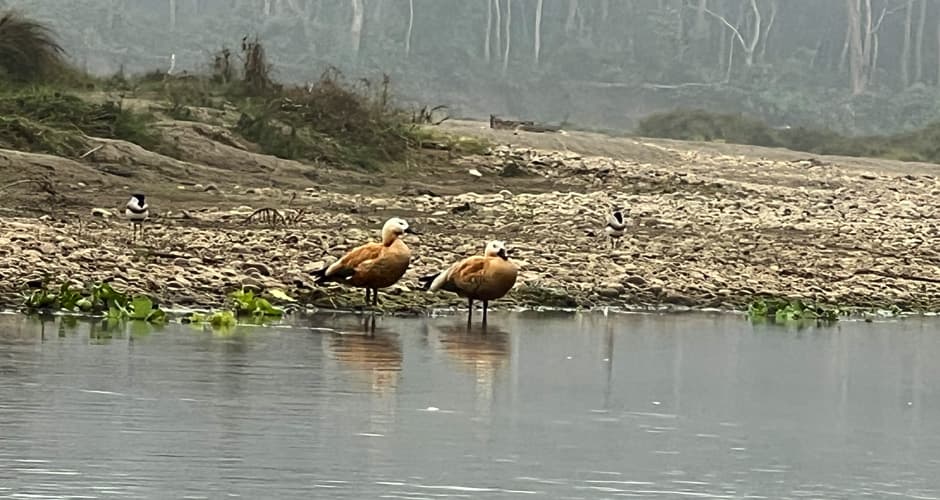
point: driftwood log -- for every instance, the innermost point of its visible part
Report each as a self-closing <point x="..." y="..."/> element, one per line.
<point x="524" y="125"/>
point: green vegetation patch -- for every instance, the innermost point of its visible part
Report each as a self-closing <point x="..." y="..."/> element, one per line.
<point x="94" y="299"/>
<point x="700" y="125"/>
<point x="43" y="120"/>
<point x="786" y="311"/>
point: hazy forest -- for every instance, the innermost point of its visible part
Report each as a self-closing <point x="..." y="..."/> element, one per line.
<point x="853" y="66"/>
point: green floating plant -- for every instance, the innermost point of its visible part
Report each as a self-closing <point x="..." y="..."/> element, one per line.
<point x="95" y="299"/>
<point x="246" y="302"/>
<point x="792" y="310"/>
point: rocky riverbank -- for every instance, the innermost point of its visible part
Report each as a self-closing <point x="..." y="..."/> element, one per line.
<point x="705" y="229"/>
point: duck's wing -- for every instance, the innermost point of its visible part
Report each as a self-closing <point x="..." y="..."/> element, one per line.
<point x="467" y="274"/>
<point x="356" y="257"/>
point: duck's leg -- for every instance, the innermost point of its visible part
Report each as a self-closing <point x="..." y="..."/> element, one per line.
<point x="469" y="312"/>
<point x="375" y="296"/>
<point x="368" y="294"/>
<point x="486" y="304"/>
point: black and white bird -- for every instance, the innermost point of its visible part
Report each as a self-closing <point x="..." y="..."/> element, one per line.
<point x="615" y="227"/>
<point x="137" y="212"/>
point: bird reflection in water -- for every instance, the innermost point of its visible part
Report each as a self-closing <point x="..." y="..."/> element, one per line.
<point x="374" y="355"/>
<point x="482" y="350"/>
<point x="374" y="352"/>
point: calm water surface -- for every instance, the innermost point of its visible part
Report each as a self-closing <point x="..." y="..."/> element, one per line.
<point x="540" y="405"/>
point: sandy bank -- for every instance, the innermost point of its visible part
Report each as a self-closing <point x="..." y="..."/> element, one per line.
<point x="705" y="229"/>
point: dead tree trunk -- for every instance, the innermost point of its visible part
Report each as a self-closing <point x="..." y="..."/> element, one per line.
<point x="748" y="46"/>
<point x="765" y="39"/>
<point x="857" y="56"/>
<point x="508" y="36"/>
<point x="355" y="31"/>
<point x="572" y="14"/>
<point x="919" y="43"/>
<point x="906" y="48"/>
<point x="538" y="30"/>
<point x="938" y="54"/>
<point x="499" y="27"/>
<point x="489" y="30"/>
<point x="411" y="25"/>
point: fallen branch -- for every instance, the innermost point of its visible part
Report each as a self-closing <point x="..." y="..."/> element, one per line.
<point x="42" y="183"/>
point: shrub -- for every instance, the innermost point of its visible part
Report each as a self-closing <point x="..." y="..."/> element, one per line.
<point x="28" y="50"/>
<point x="700" y="125"/>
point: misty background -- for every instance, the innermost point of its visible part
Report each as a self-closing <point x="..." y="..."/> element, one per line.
<point x="853" y="66"/>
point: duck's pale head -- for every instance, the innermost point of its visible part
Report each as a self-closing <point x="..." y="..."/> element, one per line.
<point x="496" y="248"/>
<point x="396" y="227"/>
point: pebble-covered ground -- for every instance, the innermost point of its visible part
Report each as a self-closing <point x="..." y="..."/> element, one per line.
<point x="711" y="231"/>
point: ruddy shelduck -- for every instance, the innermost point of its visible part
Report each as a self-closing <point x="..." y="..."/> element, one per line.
<point x="373" y="265"/>
<point x="482" y="277"/>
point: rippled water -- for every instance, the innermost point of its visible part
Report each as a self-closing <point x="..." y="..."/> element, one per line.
<point x="550" y="406"/>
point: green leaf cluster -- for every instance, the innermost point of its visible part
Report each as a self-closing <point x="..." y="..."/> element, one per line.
<point x="783" y="311"/>
<point x="94" y="299"/>
<point x="247" y="303"/>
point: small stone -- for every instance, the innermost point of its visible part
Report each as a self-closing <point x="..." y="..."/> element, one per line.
<point x="608" y="292"/>
<point x="101" y="212"/>
<point x="262" y="269"/>
<point x="635" y="280"/>
<point x="474" y="172"/>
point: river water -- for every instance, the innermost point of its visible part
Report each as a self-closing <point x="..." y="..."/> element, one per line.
<point x="540" y="405"/>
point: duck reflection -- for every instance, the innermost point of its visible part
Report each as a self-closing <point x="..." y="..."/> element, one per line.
<point x="478" y="348"/>
<point x="370" y="351"/>
<point x="484" y="351"/>
<point x="374" y="355"/>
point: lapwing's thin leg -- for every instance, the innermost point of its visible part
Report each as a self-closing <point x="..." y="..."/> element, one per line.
<point x="375" y="296"/>
<point x="486" y="304"/>
<point x="368" y="295"/>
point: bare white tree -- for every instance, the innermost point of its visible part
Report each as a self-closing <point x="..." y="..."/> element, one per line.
<point x="355" y="30"/>
<point x="499" y="26"/>
<point x="411" y="25"/>
<point x="538" y="31"/>
<point x="508" y="35"/>
<point x="489" y="30"/>
<point x="919" y="43"/>
<point x="749" y="46"/>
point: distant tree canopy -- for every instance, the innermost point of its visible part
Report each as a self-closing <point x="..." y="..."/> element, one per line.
<point x="28" y="50"/>
<point x="852" y="65"/>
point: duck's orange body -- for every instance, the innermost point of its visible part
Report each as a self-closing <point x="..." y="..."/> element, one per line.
<point x="373" y="265"/>
<point x="484" y="277"/>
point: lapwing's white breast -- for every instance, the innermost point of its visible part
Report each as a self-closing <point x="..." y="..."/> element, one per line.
<point x="137" y="216"/>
